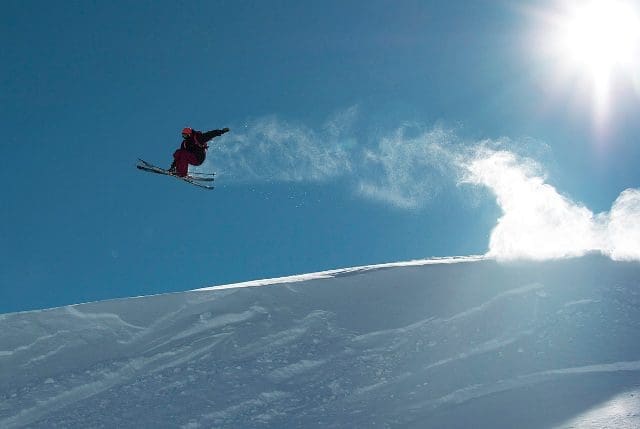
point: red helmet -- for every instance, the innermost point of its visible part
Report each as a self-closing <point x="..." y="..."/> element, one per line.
<point x="187" y="131"/>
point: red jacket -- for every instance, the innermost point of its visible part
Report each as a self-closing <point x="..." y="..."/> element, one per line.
<point x="196" y="143"/>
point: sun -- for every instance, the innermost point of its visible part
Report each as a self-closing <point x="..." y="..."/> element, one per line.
<point x="595" y="41"/>
<point x="601" y="35"/>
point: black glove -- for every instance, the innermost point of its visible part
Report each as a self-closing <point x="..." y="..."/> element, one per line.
<point x="225" y="130"/>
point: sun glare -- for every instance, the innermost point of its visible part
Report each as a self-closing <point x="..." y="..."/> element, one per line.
<point x="602" y="34"/>
<point x="596" y="41"/>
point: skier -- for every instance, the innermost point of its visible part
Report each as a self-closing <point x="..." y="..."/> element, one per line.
<point x="193" y="149"/>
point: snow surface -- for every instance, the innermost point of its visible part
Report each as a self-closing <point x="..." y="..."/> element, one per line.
<point x="454" y="343"/>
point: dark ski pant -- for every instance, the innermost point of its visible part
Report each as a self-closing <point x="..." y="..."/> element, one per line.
<point x="183" y="159"/>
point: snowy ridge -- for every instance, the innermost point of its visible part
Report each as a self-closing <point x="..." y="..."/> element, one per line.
<point x="345" y="271"/>
<point x="456" y="345"/>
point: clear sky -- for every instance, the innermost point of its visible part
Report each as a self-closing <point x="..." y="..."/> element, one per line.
<point x="361" y="133"/>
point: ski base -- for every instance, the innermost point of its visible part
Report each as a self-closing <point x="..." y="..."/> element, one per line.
<point x="194" y="179"/>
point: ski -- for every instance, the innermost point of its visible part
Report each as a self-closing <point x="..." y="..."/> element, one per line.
<point x="196" y="175"/>
<point x="202" y="177"/>
<point x="194" y="179"/>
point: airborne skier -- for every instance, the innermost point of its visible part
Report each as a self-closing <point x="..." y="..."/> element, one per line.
<point x="193" y="149"/>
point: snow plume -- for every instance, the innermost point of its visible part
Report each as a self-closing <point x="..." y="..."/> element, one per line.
<point x="273" y="149"/>
<point x="540" y="223"/>
<point x="622" y="240"/>
<point x="408" y="166"/>
<point x="405" y="168"/>
<point x="407" y="171"/>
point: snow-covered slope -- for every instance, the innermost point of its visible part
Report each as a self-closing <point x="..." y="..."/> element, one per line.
<point x="429" y="344"/>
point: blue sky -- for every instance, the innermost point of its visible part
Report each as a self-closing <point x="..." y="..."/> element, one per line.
<point x="362" y="132"/>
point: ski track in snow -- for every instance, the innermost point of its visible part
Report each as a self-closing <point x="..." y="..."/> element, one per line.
<point x="273" y="341"/>
<point x="424" y="324"/>
<point x="483" y="307"/>
<point x="44" y="356"/>
<point x="290" y="371"/>
<point x="581" y="302"/>
<point x="477" y="391"/>
<point x="98" y="318"/>
<point x="488" y="346"/>
<point x="227" y="320"/>
<point x="26" y="348"/>
<point x="263" y="401"/>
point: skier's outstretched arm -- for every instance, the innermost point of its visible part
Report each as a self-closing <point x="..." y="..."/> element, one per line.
<point x="214" y="133"/>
